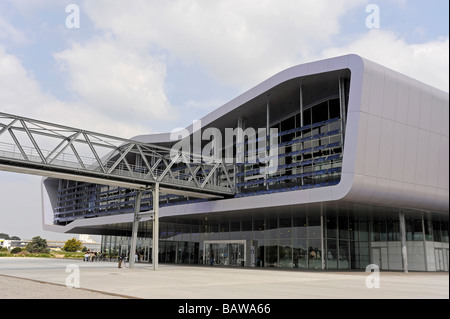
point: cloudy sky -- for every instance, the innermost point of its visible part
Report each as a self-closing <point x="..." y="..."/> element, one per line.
<point x="138" y="67"/>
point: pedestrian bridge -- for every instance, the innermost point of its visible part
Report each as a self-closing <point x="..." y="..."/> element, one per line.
<point x="35" y="147"/>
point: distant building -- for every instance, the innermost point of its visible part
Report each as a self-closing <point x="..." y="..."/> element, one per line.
<point x="86" y="239"/>
<point x="12" y="243"/>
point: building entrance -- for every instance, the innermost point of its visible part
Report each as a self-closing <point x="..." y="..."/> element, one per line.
<point x="225" y="253"/>
<point x="144" y="253"/>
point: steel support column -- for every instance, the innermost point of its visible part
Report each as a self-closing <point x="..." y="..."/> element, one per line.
<point x="322" y="236"/>
<point x="342" y="104"/>
<point x="137" y="208"/>
<point x="266" y="175"/>
<point x="301" y="124"/>
<point x="155" y="245"/>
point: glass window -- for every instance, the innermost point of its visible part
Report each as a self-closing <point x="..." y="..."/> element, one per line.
<point x="271" y="254"/>
<point x="444" y="229"/>
<point x="224" y="226"/>
<point x="428" y="223"/>
<point x="354" y="255"/>
<point x="343" y="227"/>
<point x="413" y="228"/>
<point x="363" y="230"/>
<point x="353" y="228"/>
<point x="214" y="231"/>
<point x="300" y="251"/>
<point x="247" y="226"/>
<point x="235" y="225"/>
<point x="259" y="228"/>
<point x="331" y="224"/>
<point x="299" y="226"/>
<point x="376" y="225"/>
<point x="271" y="229"/>
<point x="314" y="226"/>
<point x="379" y="232"/>
<point x="344" y="259"/>
<point x="285" y="230"/>
<point x="285" y="253"/>
<point x="393" y="228"/>
<point x="260" y="253"/>
<point x="437" y="236"/>
<point x="314" y="254"/>
<point x="331" y="254"/>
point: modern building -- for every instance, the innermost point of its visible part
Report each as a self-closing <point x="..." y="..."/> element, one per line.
<point x="361" y="177"/>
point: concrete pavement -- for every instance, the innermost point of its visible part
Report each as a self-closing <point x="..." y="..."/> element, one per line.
<point x="106" y="280"/>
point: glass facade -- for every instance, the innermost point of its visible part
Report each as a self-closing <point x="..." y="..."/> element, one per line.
<point x="309" y="238"/>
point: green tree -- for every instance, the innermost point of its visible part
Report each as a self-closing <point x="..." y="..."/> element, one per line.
<point x="72" y="245"/>
<point x="37" y="245"/>
<point x="7" y="237"/>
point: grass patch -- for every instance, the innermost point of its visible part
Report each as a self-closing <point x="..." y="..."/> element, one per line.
<point x="52" y="254"/>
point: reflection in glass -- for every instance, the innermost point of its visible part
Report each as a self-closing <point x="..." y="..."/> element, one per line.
<point x="344" y="260"/>
<point x="413" y="229"/>
<point x="393" y="228"/>
<point x="314" y="254"/>
<point x="300" y="253"/>
<point x="343" y="227"/>
<point x="285" y="254"/>
<point x="271" y="253"/>
<point x="331" y="224"/>
<point x="331" y="256"/>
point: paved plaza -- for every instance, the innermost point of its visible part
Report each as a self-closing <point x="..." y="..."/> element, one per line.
<point x="49" y="278"/>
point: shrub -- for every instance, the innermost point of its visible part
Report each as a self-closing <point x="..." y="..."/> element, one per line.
<point x="72" y="245"/>
<point x="16" y="250"/>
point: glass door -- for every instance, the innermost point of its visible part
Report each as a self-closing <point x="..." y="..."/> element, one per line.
<point x="439" y="259"/>
<point x="236" y="255"/>
<point x="224" y="253"/>
<point x="144" y="253"/>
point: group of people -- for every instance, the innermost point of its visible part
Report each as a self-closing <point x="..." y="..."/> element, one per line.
<point x="90" y="256"/>
<point x="122" y="258"/>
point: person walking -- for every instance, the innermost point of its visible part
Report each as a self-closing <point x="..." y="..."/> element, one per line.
<point x="120" y="260"/>
<point x="212" y="258"/>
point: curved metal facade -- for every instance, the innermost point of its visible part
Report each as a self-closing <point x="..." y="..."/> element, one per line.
<point x="366" y="136"/>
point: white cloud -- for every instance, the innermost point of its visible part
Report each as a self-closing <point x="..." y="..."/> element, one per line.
<point x="117" y="81"/>
<point x="9" y="33"/>
<point x="21" y="94"/>
<point x="427" y="62"/>
<point x="237" y="42"/>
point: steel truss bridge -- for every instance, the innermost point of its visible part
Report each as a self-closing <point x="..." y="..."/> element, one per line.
<point x="41" y="148"/>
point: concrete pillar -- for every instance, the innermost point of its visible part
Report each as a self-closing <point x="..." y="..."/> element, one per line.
<point x="403" y="241"/>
